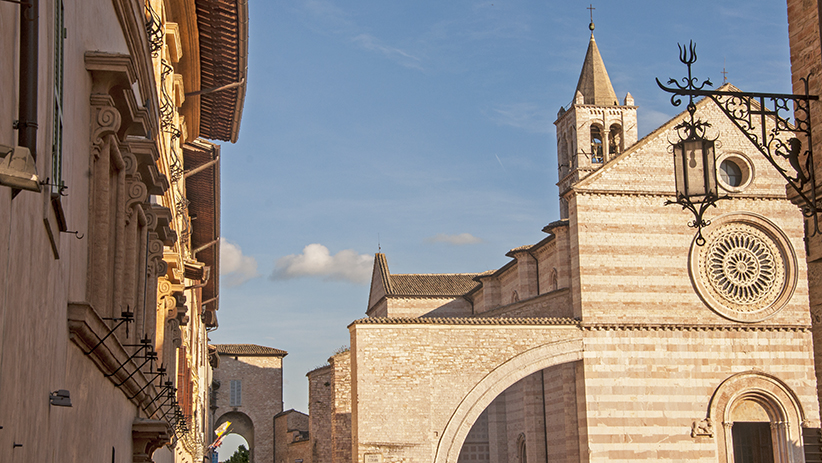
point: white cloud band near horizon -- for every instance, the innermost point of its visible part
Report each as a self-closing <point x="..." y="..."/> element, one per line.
<point x="316" y="261"/>
<point x="459" y="239"/>
<point x="235" y="268"/>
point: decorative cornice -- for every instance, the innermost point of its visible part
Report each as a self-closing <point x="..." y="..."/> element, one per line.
<point x="466" y="321"/>
<point x="690" y="327"/>
<point x="667" y="194"/>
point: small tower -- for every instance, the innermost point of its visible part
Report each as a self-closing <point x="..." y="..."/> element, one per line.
<point x="595" y="128"/>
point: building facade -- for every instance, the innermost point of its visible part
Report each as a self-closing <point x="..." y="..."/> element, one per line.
<point x="109" y="285"/>
<point x="248" y="392"/>
<point x="615" y="338"/>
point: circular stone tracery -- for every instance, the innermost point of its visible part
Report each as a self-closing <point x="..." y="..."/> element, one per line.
<point x="746" y="270"/>
<point x="741" y="267"/>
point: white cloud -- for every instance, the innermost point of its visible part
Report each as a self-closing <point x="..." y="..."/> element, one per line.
<point x="235" y="268"/>
<point x="456" y="240"/>
<point x="316" y="260"/>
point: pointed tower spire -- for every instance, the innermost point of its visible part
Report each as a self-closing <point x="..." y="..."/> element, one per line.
<point x="594" y="83"/>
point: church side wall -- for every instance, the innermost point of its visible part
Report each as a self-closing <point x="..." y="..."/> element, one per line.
<point x="562" y="424"/>
<point x="427" y="306"/>
<point x="646" y="387"/>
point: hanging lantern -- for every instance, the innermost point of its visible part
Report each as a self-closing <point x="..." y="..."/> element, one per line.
<point x="695" y="169"/>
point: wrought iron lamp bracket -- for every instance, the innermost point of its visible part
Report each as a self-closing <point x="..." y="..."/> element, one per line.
<point x="765" y="121"/>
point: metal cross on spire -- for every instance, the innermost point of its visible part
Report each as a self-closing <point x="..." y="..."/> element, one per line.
<point x="591" y="10"/>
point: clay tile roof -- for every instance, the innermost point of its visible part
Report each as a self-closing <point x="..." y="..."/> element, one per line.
<point x="465" y="321"/>
<point x="223" y="34"/>
<point x="249" y="349"/>
<point x="203" y="192"/>
<point x="432" y="284"/>
<point x="594" y="83"/>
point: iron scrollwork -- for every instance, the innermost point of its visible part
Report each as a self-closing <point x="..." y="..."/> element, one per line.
<point x="764" y="119"/>
<point x="154" y="30"/>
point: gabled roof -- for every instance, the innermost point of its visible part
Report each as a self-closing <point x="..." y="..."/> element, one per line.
<point x="633" y="149"/>
<point x="594" y="83"/>
<point x="422" y="284"/>
<point x="249" y="350"/>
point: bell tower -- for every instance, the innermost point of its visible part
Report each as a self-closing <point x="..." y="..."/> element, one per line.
<point x="594" y="128"/>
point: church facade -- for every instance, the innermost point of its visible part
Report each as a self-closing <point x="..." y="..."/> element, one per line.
<point x="615" y="338"/>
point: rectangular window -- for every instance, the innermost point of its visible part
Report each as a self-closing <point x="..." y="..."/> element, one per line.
<point x="236" y="398"/>
<point x="57" y="143"/>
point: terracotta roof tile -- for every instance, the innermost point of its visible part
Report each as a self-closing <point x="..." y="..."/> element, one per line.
<point x="249" y="349"/>
<point x="223" y="34"/>
<point x="432" y="284"/>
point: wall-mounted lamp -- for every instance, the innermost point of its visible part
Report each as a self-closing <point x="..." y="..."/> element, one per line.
<point x="17" y="168"/>
<point x="762" y="118"/>
<point x="60" y="398"/>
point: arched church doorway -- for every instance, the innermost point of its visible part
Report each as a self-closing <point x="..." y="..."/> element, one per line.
<point x="241" y="425"/>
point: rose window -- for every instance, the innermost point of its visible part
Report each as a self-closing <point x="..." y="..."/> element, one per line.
<point x="746" y="271"/>
<point x="741" y="267"/>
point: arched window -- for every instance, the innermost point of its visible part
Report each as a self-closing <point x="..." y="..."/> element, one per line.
<point x="563" y="157"/>
<point x="615" y="140"/>
<point x="596" y="144"/>
<point x="554" y="280"/>
<point x="514" y="297"/>
<point x="522" y="455"/>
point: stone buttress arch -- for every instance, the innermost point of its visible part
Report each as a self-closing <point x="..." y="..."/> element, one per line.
<point x="493" y="384"/>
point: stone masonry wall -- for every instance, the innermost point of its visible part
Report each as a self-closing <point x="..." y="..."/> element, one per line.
<point x="291" y="442"/>
<point x="320" y="413"/>
<point x="341" y="416"/>
<point x="407" y="380"/>
<point x="806" y="62"/>
<point x="646" y="387"/>
<point x="262" y="397"/>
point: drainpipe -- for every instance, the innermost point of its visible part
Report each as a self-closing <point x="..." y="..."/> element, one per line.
<point x="27" y="110"/>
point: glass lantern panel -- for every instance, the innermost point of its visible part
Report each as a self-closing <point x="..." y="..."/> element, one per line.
<point x="679" y="170"/>
<point x="695" y="184"/>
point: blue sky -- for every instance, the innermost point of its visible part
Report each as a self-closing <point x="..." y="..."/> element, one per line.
<point x="426" y="128"/>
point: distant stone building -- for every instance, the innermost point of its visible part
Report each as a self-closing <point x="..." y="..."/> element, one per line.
<point x="248" y="391"/>
<point x="291" y="443"/>
<point x="615" y="338"/>
<point x="329" y="408"/>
